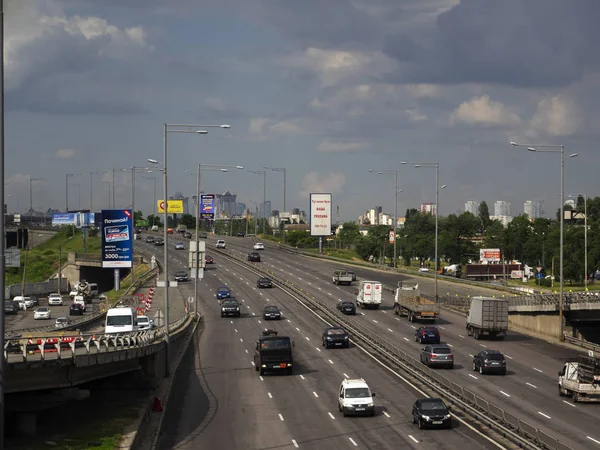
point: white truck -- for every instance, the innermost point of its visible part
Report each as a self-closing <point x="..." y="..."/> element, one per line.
<point x="369" y="294"/>
<point x="488" y="316"/>
<point x="408" y="302"/>
<point x="342" y="277"/>
<point x="580" y="379"/>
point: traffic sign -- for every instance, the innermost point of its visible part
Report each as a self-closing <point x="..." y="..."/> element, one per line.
<point x="158" y="318"/>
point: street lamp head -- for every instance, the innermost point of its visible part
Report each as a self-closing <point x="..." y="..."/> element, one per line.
<point x="443" y="186"/>
<point x="239" y="167"/>
<point x="201" y="132"/>
<point x="531" y="149"/>
<point x="152" y="161"/>
<point x="514" y="144"/>
<point x="400" y="190"/>
<point x="417" y="165"/>
<point x="371" y="170"/>
<point x="224" y="170"/>
<point x="573" y="155"/>
<point x="403" y="162"/>
<point x="225" y="127"/>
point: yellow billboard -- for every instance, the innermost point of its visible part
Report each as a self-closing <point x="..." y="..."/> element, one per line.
<point x="173" y="207"/>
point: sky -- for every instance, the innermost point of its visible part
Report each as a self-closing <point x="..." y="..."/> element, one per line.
<point x="326" y="89"/>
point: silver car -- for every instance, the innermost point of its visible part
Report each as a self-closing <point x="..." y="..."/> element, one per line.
<point x="437" y="355"/>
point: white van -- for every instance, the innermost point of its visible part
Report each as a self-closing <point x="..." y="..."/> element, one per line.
<point x="356" y="398"/>
<point x="93" y="290"/>
<point x="369" y="294"/>
<point x="120" y="320"/>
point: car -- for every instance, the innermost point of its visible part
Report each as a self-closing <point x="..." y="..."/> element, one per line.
<point x="346" y="307"/>
<point x="144" y="323"/>
<point x="489" y="361"/>
<point x="11" y="307"/>
<point x="254" y="257"/>
<point x="62" y="322"/>
<point x="423" y="269"/>
<point x="76" y="310"/>
<point x="55" y="300"/>
<point x="159" y="241"/>
<point x="169" y="230"/>
<point x="203" y="236"/>
<point x="187" y="235"/>
<point x="264" y="282"/>
<point x="427" y="335"/>
<point x="223" y="292"/>
<point x="439" y="355"/>
<point x="179" y="246"/>
<point x="80" y="301"/>
<point x="209" y="260"/>
<point x="150" y="239"/>
<point x="241" y="234"/>
<point x="335" y="337"/>
<point x="349" y="272"/>
<point x="355" y="398"/>
<point x="221" y="244"/>
<point x="230" y="307"/>
<point x="42" y="313"/>
<point x="259" y="246"/>
<point x="181" y="275"/>
<point x="271" y="312"/>
<point x="431" y="412"/>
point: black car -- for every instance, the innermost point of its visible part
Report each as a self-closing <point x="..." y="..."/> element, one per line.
<point x="76" y="310"/>
<point x="431" y="412"/>
<point x="181" y="275"/>
<point x="159" y="241"/>
<point x="230" y="307"/>
<point x="427" y="335"/>
<point x="241" y="234"/>
<point x="489" y="361"/>
<point x="271" y="313"/>
<point x="10" y="307"/>
<point x="203" y="236"/>
<point x="347" y="308"/>
<point x="254" y="257"/>
<point x="209" y="260"/>
<point x="150" y="240"/>
<point x="264" y="282"/>
<point x="336" y="337"/>
<point x="187" y="235"/>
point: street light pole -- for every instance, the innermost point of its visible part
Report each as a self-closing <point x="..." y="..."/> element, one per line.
<point x="154" y="181"/>
<point x="31" y="180"/>
<point x="395" y="173"/>
<point x="556" y="149"/>
<point x="92" y="190"/>
<point x="281" y="169"/>
<point x="264" y="212"/>
<point x="67" y="176"/>
<point x="585" y="256"/>
<point x="172" y="128"/>
<point x="2" y="227"/>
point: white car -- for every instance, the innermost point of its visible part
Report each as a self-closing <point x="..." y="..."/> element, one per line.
<point x="259" y="246"/>
<point x="80" y="300"/>
<point x="423" y="269"/>
<point x="356" y="398"/>
<point x="220" y="243"/>
<point x="179" y="246"/>
<point x="73" y="293"/>
<point x="24" y="302"/>
<point x="42" y="313"/>
<point x="55" y="300"/>
<point x="144" y="323"/>
<point x="62" y="322"/>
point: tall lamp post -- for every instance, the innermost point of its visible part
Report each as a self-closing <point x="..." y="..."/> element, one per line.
<point x="435" y="165"/>
<point x="31" y="180"/>
<point x="173" y="128"/>
<point x="585" y="256"/>
<point x="135" y="169"/>
<point x="154" y="190"/>
<point x="78" y="186"/>
<point x="281" y="169"/>
<point x="67" y="176"/>
<point x="108" y="184"/>
<point x="556" y="149"/>
<point x="264" y="209"/>
<point x="395" y="173"/>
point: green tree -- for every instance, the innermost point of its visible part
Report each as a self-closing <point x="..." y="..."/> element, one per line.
<point x="188" y="220"/>
<point x="349" y="234"/>
<point x="483" y="214"/>
<point x="454" y="240"/>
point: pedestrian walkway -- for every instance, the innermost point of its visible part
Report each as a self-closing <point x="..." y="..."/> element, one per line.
<point x="177" y="303"/>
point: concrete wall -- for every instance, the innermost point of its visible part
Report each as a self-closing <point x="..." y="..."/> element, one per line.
<point x="540" y="324"/>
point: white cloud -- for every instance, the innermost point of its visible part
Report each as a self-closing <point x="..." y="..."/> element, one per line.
<point x="292" y="126"/>
<point x="483" y="111"/>
<point x="415" y="116"/>
<point x="263" y="126"/>
<point x="64" y="153"/>
<point x="329" y="145"/>
<point x="332" y="182"/>
<point x="257" y="124"/>
<point x="18" y="178"/>
<point x="557" y="116"/>
<point x="423" y="90"/>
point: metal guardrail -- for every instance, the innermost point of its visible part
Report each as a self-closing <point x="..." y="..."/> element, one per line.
<point x="581" y="343"/>
<point x="494" y="416"/>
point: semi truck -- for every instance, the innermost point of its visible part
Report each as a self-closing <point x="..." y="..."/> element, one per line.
<point x="369" y="294"/>
<point x="487" y="316"/>
<point x="342" y="277"/>
<point x="495" y="271"/>
<point x="408" y="302"/>
<point x="580" y="379"/>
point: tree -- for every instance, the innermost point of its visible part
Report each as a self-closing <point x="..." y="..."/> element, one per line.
<point x="483" y="213"/>
<point x="188" y="220"/>
<point x="349" y="234"/>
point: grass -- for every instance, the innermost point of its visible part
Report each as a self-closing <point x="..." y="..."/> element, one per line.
<point x="113" y="296"/>
<point x="341" y="253"/>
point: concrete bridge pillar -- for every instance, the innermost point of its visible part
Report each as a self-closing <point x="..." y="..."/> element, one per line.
<point x="154" y="365"/>
<point x="25" y="424"/>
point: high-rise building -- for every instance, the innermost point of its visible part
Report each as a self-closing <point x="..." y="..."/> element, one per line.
<point x="266" y="209"/>
<point x="225" y="204"/>
<point x="502" y="208"/>
<point x="533" y="209"/>
<point x="428" y="208"/>
<point x="472" y="207"/>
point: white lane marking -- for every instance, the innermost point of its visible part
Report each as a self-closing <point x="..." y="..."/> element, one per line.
<point x="509" y="357"/>
<point x="471" y="356"/>
<point x="310" y="283"/>
<point x="231" y="321"/>
<point x="461" y="336"/>
<point x="298" y="329"/>
<point x="593" y="440"/>
<point x="307" y="338"/>
<point x="441" y="327"/>
<point x="413" y="438"/>
<point x="253" y="314"/>
<point x="345" y="375"/>
<point x="260" y="293"/>
<point x="320" y="288"/>
<point x="353" y="441"/>
<point x="331" y="415"/>
<point x="545" y="415"/>
<point x="241" y="340"/>
<point x="362" y="313"/>
<point x="570" y="404"/>
<point x="397" y="319"/>
<point x="315" y="394"/>
<point x="330" y="361"/>
<point x="375" y="321"/>
<point x="473" y="376"/>
<point x="300" y="278"/>
<point x="484" y="346"/>
<point x="295" y="443"/>
<point x="330" y="293"/>
<point x="269" y="394"/>
<point x="318" y="349"/>
<point x="259" y="321"/>
<point x="385" y="312"/>
<point x="390" y="330"/>
<point x="406" y="339"/>
<point x="236" y="330"/>
<point x="450" y="345"/>
<point x="533" y="386"/>
<point x="252" y="362"/>
<point x="261" y="378"/>
<point x="302" y="376"/>
<point x="504" y="393"/>
<point x="413" y="327"/>
<point x="538" y="370"/>
<point x="386" y="414"/>
<point x="289" y="321"/>
<point x="280" y="417"/>
<point x="246" y="350"/>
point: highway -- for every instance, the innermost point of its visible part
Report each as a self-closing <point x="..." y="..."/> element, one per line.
<point x="224" y="403"/>
<point x="530" y="388"/>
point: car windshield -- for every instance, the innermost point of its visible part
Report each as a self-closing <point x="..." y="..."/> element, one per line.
<point x="347" y="304"/>
<point x="275" y="344"/>
<point x="181" y="274"/>
<point x="336" y="331"/>
<point x="118" y="320"/>
<point x="230" y="303"/>
<point x="142" y="320"/>
<point x="265" y="280"/>
<point x="223" y="289"/>
<point x="62" y="319"/>
<point x="433" y="407"/>
<point x="357" y="393"/>
<point x="55" y="296"/>
<point x="494" y="357"/>
<point x="42" y="309"/>
<point x="430" y="330"/>
<point x="441" y="350"/>
<point x="271" y="309"/>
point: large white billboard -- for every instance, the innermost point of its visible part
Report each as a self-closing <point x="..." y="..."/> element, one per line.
<point x="488" y="255"/>
<point x="320" y="214"/>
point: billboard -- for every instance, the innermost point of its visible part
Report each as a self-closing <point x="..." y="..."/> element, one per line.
<point x="117" y="238"/>
<point x="392" y="236"/>
<point x="207" y="206"/>
<point x="487" y="255"/>
<point x="320" y="214"/>
<point x="64" y="219"/>
<point x="173" y="207"/>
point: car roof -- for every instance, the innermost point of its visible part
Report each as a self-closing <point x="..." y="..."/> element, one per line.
<point x="271" y="307"/>
<point x="492" y="352"/>
<point x="335" y="327"/>
<point x="223" y="288"/>
<point x="431" y="400"/>
<point x="355" y="382"/>
<point x="434" y="346"/>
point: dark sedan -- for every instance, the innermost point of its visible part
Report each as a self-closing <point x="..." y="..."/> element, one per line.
<point x="427" y="335"/>
<point x="150" y="239"/>
<point x="181" y="275"/>
<point x="76" y="309"/>
<point x="10" y="307"/>
<point x="431" y="412"/>
<point x="264" y="282"/>
<point x="489" y="361"/>
<point x="254" y="257"/>
<point x="347" y="308"/>
<point x="336" y="337"/>
<point x="230" y="307"/>
<point x="271" y="313"/>
<point x="159" y="241"/>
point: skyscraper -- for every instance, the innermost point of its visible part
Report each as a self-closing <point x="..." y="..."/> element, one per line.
<point x="533" y="209"/>
<point x="472" y="207"/>
<point x="502" y="208"/>
<point x="428" y="208"/>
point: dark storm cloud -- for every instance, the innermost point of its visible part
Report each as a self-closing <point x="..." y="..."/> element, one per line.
<point x="533" y="43"/>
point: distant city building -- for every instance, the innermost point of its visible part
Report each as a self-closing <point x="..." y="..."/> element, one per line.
<point x="275" y="213"/>
<point x="296" y="211"/>
<point x="472" y="207"/>
<point x="502" y="208"/>
<point x="185" y="201"/>
<point x="428" y="208"/>
<point x="241" y="209"/>
<point x="504" y="220"/>
<point x="225" y="204"/>
<point x="533" y="209"/>
<point x="264" y="210"/>
<point x="572" y="203"/>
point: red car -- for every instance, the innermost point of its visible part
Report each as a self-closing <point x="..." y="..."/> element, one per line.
<point x="209" y="260"/>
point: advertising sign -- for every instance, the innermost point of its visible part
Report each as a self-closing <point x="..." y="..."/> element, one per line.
<point x="117" y="238"/>
<point x="86" y="220"/>
<point x="173" y="207"/>
<point x="63" y="219"/>
<point x="517" y="274"/>
<point x="392" y="236"/>
<point x="487" y="255"/>
<point x="207" y="206"/>
<point x="320" y="214"/>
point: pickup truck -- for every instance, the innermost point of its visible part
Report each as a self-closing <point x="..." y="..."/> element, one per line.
<point x="408" y="302"/>
<point x="342" y="277"/>
<point x="580" y="379"/>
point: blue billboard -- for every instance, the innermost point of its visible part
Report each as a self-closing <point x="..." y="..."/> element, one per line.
<point x="64" y="219"/>
<point x="117" y="238"/>
<point x="207" y="206"/>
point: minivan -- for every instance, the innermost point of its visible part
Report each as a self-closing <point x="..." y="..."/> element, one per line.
<point x="121" y="320"/>
<point x="93" y="290"/>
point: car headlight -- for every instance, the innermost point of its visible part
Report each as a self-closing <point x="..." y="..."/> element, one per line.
<point x="370" y="405"/>
<point x="447" y="416"/>
<point x="345" y="338"/>
<point x="237" y="309"/>
<point x="425" y="417"/>
<point x="328" y="338"/>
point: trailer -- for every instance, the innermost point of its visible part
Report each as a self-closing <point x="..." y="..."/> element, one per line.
<point x="408" y="302"/>
<point x="580" y="379"/>
<point x="488" y="316"/>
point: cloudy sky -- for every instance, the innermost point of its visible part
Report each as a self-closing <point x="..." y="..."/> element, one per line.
<point x="327" y="89"/>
